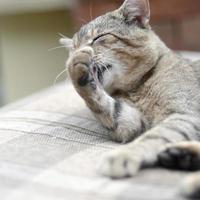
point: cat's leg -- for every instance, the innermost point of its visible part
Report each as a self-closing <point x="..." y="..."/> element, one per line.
<point x="185" y="156"/>
<point x="124" y="120"/>
<point x="126" y="161"/>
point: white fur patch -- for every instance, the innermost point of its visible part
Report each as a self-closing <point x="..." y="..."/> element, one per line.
<point x="129" y="123"/>
<point x="67" y="42"/>
<point x="119" y="164"/>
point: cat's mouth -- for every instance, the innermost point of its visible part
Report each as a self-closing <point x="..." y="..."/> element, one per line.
<point x="98" y="72"/>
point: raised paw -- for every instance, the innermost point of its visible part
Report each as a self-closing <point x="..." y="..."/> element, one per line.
<point x="182" y="156"/>
<point x="79" y="68"/>
<point x="119" y="164"/>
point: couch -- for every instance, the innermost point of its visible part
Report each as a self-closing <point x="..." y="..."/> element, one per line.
<point x="50" y="148"/>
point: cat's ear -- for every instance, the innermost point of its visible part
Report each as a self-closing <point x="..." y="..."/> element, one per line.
<point x="67" y="42"/>
<point x="136" y="11"/>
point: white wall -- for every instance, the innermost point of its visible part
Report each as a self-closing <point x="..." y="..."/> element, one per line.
<point x="27" y="65"/>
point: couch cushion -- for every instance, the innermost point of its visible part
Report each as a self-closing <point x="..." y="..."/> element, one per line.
<point x="50" y="147"/>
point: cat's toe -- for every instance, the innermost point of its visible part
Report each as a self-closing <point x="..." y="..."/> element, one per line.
<point x="178" y="157"/>
<point x="118" y="165"/>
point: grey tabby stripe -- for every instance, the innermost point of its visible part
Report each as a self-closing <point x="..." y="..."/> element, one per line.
<point x="191" y="123"/>
<point x="180" y="132"/>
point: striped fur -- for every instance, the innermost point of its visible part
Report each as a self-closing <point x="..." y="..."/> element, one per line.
<point x="138" y="89"/>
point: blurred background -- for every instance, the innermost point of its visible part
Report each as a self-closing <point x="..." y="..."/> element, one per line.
<point x="29" y="29"/>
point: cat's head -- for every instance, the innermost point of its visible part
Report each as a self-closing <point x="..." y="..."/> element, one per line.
<point x="124" y="47"/>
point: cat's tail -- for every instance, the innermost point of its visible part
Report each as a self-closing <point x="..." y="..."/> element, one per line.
<point x="184" y="156"/>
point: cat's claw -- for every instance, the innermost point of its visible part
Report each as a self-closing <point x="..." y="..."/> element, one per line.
<point x="119" y="164"/>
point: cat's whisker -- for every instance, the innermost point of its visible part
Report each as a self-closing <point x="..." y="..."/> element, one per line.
<point x="106" y="69"/>
<point x="59" y="75"/>
<point x="83" y="21"/>
<point x="54" y="48"/>
<point x="103" y="65"/>
<point x="62" y="35"/>
<point x="98" y="60"/>
<point x="91" y="12"/>
<point x="97" y="57"/>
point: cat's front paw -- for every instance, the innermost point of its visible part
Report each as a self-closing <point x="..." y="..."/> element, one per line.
<point x="79" y="69"/>
<point x="184" y="156"/>
<point x="119" y="164"/>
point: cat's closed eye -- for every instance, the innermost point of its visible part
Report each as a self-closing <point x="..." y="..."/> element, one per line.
<point x="102" y="37"/>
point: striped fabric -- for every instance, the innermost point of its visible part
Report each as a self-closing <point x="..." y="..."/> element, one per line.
<point x="50" y="148"/>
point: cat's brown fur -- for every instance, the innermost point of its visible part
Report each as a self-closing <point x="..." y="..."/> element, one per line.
<point x="137" y="88"/>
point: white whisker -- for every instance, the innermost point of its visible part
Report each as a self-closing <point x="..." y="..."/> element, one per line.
<point x="61" y="35"/>
<point x="57" y="77"/>
<point x="83" y="21"/>
<point x="102" y="65"/>
<point x="91" y="17"/>
<point x="54" y="48"/>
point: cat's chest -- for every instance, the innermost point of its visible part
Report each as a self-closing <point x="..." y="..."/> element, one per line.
<point x="150" y="103"/>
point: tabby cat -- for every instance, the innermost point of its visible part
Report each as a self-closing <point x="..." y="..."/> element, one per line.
<point x="141" y="91"/>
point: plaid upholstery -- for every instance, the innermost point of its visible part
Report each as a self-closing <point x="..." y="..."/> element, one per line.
<point x="50" y="147"/>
